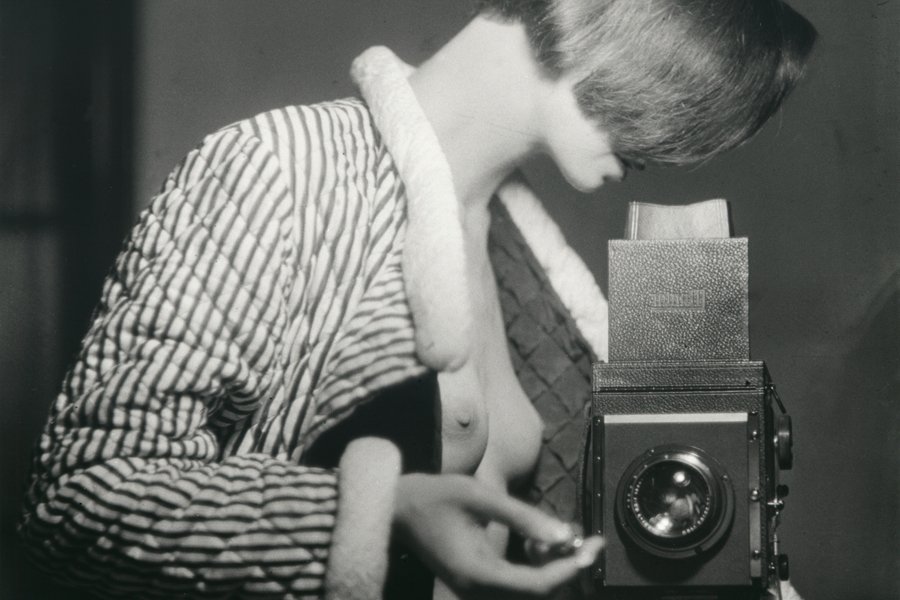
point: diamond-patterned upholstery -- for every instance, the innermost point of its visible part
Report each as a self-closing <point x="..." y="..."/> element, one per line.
<point x="552" y="361"/>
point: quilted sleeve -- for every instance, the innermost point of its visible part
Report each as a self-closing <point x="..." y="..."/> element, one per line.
<point x="129" y="494"/>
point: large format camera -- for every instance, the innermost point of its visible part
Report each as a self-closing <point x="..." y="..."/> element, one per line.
<point x="687" y="433"/>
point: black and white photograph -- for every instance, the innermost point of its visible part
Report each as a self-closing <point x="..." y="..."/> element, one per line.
<point x="450" y="300"/>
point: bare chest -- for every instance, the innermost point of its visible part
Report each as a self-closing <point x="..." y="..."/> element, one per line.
<point x="488" y="425"/>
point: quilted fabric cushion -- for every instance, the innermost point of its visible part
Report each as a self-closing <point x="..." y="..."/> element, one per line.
<point x="552" y="361"/>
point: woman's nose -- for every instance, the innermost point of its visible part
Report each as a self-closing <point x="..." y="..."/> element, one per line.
<point x="624" y="165"/>
<point x="614" y="171"/>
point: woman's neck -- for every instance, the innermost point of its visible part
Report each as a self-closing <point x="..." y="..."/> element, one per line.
<point x="479" y="93"/>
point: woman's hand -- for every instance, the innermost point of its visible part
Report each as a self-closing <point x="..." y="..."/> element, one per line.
<point x="787" y="592"/>
<point x="444" y="518"/>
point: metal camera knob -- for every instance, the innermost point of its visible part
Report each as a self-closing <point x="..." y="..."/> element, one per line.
<point x="784" y="442"/>
<point x="784" y="571"/>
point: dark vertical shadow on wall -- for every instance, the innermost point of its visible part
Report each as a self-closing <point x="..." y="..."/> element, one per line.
<point x="93" y="125"/>
<point x="65" y="202"/>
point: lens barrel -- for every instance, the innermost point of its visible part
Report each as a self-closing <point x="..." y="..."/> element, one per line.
<point x="675" y="501"/>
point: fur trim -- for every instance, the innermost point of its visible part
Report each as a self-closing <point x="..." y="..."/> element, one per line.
<point x="433" y="253"/>
<point x="567" y="273"/>
<point x="358" y="559"/>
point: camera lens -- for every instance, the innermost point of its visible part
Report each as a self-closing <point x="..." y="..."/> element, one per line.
<point x="671" y="499"/>
<point x="675" y="501"/>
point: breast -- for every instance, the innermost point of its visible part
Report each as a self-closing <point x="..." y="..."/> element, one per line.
<point x="464" y="421"/>
<point x="489" y="426"/>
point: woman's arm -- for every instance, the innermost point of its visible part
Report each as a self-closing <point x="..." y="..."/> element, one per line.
<point x="129" y="493"/>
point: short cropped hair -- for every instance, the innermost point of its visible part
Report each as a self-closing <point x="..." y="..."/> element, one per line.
<point x="673" y="81"/>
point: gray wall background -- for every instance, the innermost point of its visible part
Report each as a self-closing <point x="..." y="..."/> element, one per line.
<point x="816" y="192"/>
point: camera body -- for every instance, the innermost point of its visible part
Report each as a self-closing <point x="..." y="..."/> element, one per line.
<point x="687" y="433"/>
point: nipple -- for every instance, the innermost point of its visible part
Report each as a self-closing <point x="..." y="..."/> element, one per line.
<point x="465" y="422"/>
<point x="464" y="416"/>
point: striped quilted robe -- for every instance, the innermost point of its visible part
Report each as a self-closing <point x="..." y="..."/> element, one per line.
<point x="266" y="292"/>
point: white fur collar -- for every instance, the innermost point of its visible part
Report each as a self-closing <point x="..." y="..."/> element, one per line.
<point x="434" y="254"/>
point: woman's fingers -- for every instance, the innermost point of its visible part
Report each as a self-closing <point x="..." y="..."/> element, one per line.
<point x="536" y="581"/>
<point x="526" y="520"/>
<point x="444" y="519"/>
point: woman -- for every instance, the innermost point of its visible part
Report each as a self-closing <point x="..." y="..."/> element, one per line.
<point x="309" y="269"/>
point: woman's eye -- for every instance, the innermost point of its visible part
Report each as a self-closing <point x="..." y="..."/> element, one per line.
<point x="630" y="163"/>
